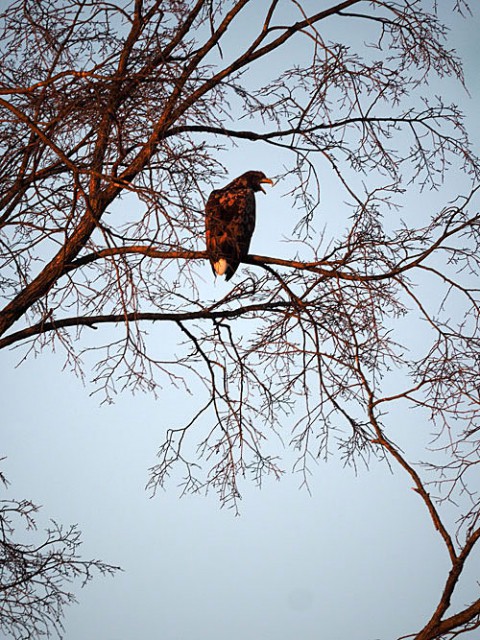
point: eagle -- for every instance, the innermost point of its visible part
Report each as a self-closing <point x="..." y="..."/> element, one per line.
<point x="230" y="221"/>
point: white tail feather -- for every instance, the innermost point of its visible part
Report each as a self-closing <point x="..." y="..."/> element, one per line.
<point x="220" y="266"/>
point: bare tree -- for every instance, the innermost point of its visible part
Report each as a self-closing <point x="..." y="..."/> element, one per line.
<point x="34" y="577"/>
<point x="143" y="100"/>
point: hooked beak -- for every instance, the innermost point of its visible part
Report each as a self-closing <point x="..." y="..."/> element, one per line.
<point x="265" y="181"/>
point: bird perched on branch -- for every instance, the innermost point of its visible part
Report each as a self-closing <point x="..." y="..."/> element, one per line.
<point x="230" y="221"/>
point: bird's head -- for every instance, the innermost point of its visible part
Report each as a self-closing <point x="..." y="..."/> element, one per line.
<point x="253" y="180"/>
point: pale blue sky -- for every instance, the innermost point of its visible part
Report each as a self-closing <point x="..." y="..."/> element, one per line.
<point x="356" y="559"/>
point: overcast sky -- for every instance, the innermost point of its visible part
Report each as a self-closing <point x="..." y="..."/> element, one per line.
<point x="355" y="559"/>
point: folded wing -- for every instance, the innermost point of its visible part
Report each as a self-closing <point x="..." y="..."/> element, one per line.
<point x="229" y="223"/>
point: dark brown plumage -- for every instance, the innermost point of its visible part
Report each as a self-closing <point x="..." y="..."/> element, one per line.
<point x="230" y="221"/>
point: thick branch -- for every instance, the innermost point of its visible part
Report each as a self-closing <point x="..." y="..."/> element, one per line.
<point x="91" y="321"/>
<point x="436" y="626"/>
